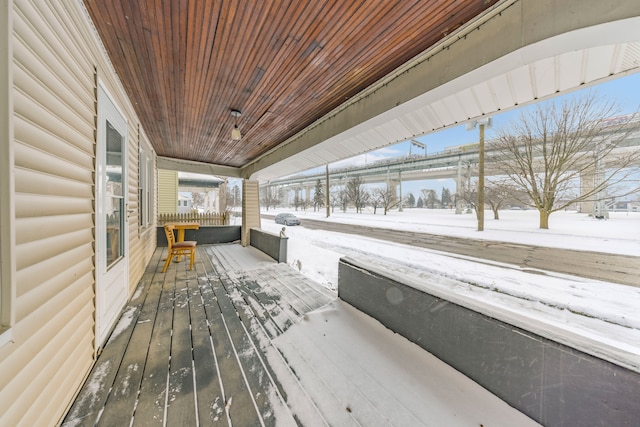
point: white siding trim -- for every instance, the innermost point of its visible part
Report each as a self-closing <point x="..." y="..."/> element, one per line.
<point x="7" y="205"/>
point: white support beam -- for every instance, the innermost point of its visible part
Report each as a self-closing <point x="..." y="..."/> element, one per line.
<point x="169" y="163"/>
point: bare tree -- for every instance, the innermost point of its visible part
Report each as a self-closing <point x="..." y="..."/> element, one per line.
<point x="469" y="193"/>
<point x="335" y="197"/>
<point x="430" y="197"/>
<point x="344" y="199"/>
<point x="385" y="197"/>
<point x="375" y="200"/>
<point x="297" y="201"/>
<point x="198" y="199"/>
<point x="549" y="149"/>
<point x="357" y="193"/>
<point x="234" y="196"/>
<point x="270" y="196"/>
<point x="499" y="193"/>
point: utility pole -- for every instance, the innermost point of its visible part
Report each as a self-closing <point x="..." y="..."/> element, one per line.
<point x="327" y="197"/>
<point x="481" y="123"/>
<point x="459" y="188"/>
<point x="400" y="179"/>
<point x="481" y="179"/>
<point x="599" y="207"/>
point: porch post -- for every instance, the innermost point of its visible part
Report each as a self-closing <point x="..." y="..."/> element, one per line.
<point x="250" y="209"/>
<point x="222" y="197"/>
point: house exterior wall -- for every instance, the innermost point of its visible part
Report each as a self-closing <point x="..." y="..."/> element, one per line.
<point x="250" y="209"/>
<point x="185" y="203"/>
<point x="142" y="240"/>
<point x="167" y="191"/>
<point x="211" y="200"/>
<point x="51" y="62"/>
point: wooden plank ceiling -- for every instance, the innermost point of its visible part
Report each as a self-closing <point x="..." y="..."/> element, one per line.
<point x="283" y="63"/>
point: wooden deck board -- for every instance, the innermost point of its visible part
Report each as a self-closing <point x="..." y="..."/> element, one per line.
<point x="120" y="405"/>
<point x="277" y="318"/>
<point x="91" y="399"/>
<point x="300" y="288"/>
<point x="205" y="347"/>
<point x="210" y="399"/>
<point x="250" y="367"/>
<point x="181" y="400"/>
<point x="151" y="400"/>
<point x="257" y="333"/>
<point x="197" y="349"/>
<point x="237" y="401"/>
<point x="261" y="306"/>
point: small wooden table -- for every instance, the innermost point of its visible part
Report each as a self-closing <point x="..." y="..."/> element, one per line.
<point x="180" y="227"/>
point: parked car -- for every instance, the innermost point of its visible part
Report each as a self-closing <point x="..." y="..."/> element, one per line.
<point x="287" y="219"/>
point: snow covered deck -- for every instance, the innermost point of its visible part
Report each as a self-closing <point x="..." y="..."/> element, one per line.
<point x="242" y="340"/>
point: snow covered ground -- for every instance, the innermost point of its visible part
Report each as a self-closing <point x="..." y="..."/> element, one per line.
<point x="604" y="316"/>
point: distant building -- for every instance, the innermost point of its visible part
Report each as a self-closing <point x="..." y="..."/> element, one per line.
<point x="625" y="206"/>
<point x="175" y="192"/>
<point x="185" y="202"/>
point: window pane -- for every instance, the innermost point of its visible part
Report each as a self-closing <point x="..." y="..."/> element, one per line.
<point x="114" y="202"/>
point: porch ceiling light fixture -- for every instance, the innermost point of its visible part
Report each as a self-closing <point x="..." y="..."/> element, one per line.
<point x="235" y="132"/>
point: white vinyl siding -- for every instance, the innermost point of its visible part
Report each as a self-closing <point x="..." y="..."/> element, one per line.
<point x="47" y="193"/>
<point x="167" y="191"/>
<point x="250" y="209"/>
<point x="142" y="239"/>
<point x="53" y="142"/>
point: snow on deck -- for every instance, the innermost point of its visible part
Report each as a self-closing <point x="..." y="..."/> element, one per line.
<point x="360" y="373"/>
<point x="242" y="340"/>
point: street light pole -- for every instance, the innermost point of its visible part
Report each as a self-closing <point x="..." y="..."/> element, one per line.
<point x="418" y="144"/>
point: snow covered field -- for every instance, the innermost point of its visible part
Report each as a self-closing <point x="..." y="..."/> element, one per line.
<point x="599" y="314"/>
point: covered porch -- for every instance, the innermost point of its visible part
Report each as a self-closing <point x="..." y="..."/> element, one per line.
<point x="243" y="340"/>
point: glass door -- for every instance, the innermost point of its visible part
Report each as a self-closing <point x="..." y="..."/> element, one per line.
<point x="111" y="222"/>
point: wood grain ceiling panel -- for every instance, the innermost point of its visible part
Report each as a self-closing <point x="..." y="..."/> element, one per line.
<point x="284" y="63"/>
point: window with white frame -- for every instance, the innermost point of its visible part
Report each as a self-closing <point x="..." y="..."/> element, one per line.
<point x="145" y="189"/>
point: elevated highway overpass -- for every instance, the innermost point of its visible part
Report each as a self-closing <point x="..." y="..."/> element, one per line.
<point x="452" y="162"/>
